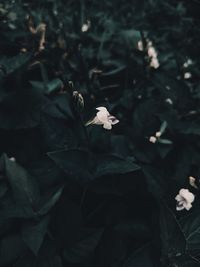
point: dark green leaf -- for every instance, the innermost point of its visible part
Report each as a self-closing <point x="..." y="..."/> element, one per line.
<point x="34" y="233"/>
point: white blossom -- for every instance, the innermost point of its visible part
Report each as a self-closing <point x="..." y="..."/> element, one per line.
<point x="85" y="27"/>
<point x="103" y="117"/>
<point x="187" y="75"/>
<point x="187" y="63"/>
<point x="192" y="182"/>
<point x="184" y="199"/>
<point x="169" y="101"/>
<point x="152" y="139"/>
<point x="154" y="63"/>
<point x="140" y="45"/>
<point x="158" y="134"/>
<point x="153" y="55"/>
<point x="152" y="52"/>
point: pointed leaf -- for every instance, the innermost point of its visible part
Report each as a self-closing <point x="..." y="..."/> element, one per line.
<point x="33" y="234"/>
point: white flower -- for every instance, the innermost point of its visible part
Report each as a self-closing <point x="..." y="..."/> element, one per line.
<point x="140" y="46"/>
<point x="152" y="139"/>
<point x="192" y="182"/>
<point x="103" y="117"/>
<point x="153" y="55"/>
<point x="154" y="63"/>
<point x="187" y="63"/>
<point x="12" y="159"/>
<point x="169" y="101"/>
<point x="152" y="52"/>
<point x="158" y="134"/>
<point x="85" y="27"/>
<point x="187" y="75"/>
<point x="184" y="199"/>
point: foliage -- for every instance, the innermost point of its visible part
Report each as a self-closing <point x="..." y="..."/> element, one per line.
<point x="79" y="196"/>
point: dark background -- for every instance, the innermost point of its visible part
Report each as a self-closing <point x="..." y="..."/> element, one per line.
<point x="84" y="196"/>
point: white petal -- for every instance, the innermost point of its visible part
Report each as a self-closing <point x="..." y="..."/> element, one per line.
<point x="187" y="195"/>
<point x="187" y="205"/>
<point x="107" y="126"/>
<point x="115" y="121"/>
<point x="190" y="197"/>
<point x="97" y="121"/>
<point x="179" y="207"/>
<point x="102" y="116"/>
<point x="102" y="109"/>
<point x="183" y="192"/>
<point x="152" y="139"/>
<point x="152" y="52"/>
<point x="179" y="198"/>
<point x="94" y="121"/>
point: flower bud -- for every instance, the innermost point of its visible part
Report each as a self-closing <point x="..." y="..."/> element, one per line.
<point x="78" y="99"/>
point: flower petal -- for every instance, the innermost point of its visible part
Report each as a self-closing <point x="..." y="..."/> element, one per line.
<point x="113" y="119"/>
<point x="102" y="109"/>
<point x="103" y="116"/>
<point x="187" y="205"/>
<point x="179" y="198"/>
<point x="179" y="208"/>
<point x="187" y="195"/>
<point x="107" y="126"/>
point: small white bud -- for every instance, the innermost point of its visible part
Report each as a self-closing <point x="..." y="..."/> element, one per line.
<point x="140" y="46"/>
<point x="158" y="134"/>
<point x="12" y="159"/>
<point x="192" y="181"/>
<point x="169" y="101"/>
<point x="154" y="63"/>
<point x="187" y="75"/>
<point x="152" y="139"/>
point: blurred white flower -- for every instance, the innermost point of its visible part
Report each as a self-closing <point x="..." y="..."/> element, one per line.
<point x="184" y="199"/>
<point x="192" y="182"/>
<point x="85" y="27"/>
<point x="140" y="46"/>
<point x="152" y="139"/>
<point x="12" y="159"/>
<point x="169" y="101"/>
<point x="152" y="52"/>
<point x="187" y="63"/>
<point x="187" y="75"/>
<point x="153" y="55"/>
<point x="154" y="63"/>
<point x="158" y="134"/>
<point x="103" y="117"/>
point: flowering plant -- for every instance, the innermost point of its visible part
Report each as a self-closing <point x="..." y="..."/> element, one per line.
<point x="99" y="127"/>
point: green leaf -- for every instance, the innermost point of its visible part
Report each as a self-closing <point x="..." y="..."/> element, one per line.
<point x="163" y="127"/>
<point x="38" y="85"/>
<point x="140" y="258"/>
<point x="3" y="189"/>
<point x="47" y="202"/>
<point x="53" y="86"/>
<point x="34" y="233"/>
<point x="86" y="166"/>
<point x="172" y="237"/>
<point x="11" y="247"/>
<point x="191" y="228"/>
<point x="131" y="36"/>
<point x="165" y="141"/>
<point x="24" y="188"/>
<point x="83" y="249"/>
<point x="48" y="88"/>
<point x="75" y="163"/>
<point x="14" y="63"/>
<point x="110" y="164"/>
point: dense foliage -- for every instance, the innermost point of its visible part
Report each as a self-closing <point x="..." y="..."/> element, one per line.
<point x="84" y="196"/>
